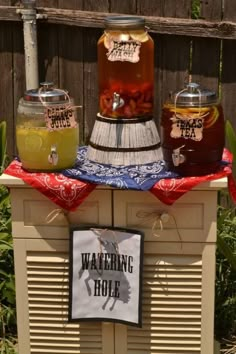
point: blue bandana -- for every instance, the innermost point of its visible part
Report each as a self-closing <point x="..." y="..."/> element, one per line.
<point x="136" y="177"/>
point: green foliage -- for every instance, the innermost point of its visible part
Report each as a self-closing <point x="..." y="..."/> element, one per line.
<point x="225" y="299"/>
<point x="231" y="139"/>
<point x="7" y="278"/>
<point x="195" y="9"/>
<point x="225" y="296"/>
<point x="3" y="146"/>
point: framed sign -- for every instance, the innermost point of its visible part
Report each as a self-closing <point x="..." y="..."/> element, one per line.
<point x="106" y="275"/>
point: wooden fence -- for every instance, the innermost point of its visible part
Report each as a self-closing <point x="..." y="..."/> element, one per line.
<point x="204" y="48"/>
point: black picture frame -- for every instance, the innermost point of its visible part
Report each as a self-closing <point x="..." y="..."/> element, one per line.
<point x="78" y="288"/>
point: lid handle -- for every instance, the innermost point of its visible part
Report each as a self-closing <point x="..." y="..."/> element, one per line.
<point x="192" y="87"/>
<point x="46" y="85"/>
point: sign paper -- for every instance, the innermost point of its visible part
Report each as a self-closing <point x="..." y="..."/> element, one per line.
<point x="105" y="275"/>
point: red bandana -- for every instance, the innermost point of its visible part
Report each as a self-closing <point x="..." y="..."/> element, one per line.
<point x="70" y="193"/>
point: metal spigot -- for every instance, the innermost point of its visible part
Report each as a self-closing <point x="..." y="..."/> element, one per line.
<point x="117" y="101"/>
<point x="177" y="157"/>
<point x="53" y="156"/>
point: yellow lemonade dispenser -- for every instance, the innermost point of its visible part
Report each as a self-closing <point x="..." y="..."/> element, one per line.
<point x="47" y="131"/>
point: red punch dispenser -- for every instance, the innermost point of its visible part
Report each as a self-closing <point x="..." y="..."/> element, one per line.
<point x="125" y="132"/>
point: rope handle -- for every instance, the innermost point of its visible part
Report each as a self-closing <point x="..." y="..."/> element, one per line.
<point x="68" y="106"/>
<point x="177" y="96"/>
<point x="160" y="218"/>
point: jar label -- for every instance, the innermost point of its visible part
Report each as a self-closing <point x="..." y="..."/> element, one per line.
<point x="188" y="123"/>
<point x="124" y="51"/>
<point x="60" y="117"/>
<point x="188" y="128"/>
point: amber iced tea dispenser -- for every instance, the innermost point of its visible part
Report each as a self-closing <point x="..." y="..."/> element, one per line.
<point x="192" y="131"/>
<point x="47" y="132"/>
<point x="124" y="131"/>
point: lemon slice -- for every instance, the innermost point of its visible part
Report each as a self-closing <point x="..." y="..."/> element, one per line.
<point x="107" y="41"/>
<point x="139" y="36"/>
<point x="33" y="142"/>
<point x="115" y="36"/>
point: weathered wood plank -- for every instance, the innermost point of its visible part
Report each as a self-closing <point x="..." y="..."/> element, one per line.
<point x="162" y="25"/>
<point x="150" y="7"/>
<point x="71" y="67"/>
<point x="91" y="5"/>
<point x="70" y="46"/>
<point x="7" y="3"/>
<point x="206" y="63"/>
<point x="187" y="27"/>
<point x="206" y="52"/>
<point x="181" y="8"/>
<point x="70" y="4"/>
<point x="229" y="13"/>
<point x="90" y="38"/>
<point x="174" y="68"/>
<point x="177" y="26"/>
<point x="48" y="54"/>
<point x="171" y="53"/>
<point x="19" y="84"/>
<point x="90" y="80"/>
<point x="145" y="9"/>
<point x="6" y="74"/>
<point x="47" y="3"/>
<point x="228" y="80"/>
<point x="125" y="7"/>
<point x="228" y="76"/>
<point x="211" y="10"/>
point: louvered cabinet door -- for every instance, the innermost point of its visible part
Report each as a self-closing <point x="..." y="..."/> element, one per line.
<point x="178" y="274"/>
<point x="41" y="254"/>
<point x="42" y="268"/>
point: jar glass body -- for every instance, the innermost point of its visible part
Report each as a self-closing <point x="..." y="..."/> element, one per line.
<point x="37" y="144"/>
<point x="126" y="68"/>
<point x="192" y="138"/>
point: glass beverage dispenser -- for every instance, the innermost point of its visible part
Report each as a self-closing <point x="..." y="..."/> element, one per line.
<point x="126" y="68"/>
<point x="192" y="131"/>
<point x="125" y="132"/>
<point x="47" y="133"/>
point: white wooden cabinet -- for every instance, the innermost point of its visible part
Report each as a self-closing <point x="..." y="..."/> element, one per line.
<point x="178" y="279"/>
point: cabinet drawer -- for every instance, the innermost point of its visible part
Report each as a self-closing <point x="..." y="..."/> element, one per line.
<point x="191" y="219"/>
<point x="35" y="216"/>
